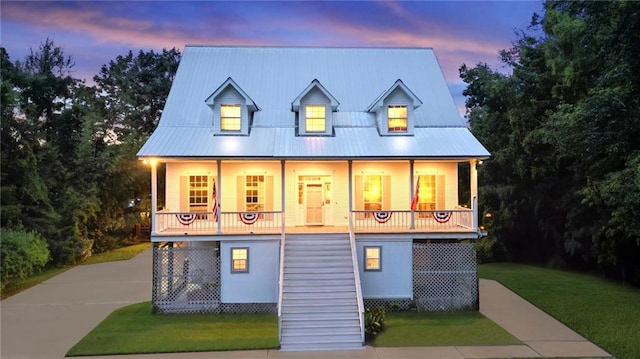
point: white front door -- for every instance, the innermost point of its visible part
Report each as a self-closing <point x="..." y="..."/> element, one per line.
<point x="314" y="204"/>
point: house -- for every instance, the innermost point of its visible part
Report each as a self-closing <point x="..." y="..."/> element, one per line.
<point x="312" y="183"/>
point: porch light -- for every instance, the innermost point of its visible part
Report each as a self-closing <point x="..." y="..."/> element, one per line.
<point x="151" y="161"/>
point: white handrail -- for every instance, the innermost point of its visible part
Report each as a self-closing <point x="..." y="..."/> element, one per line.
<point x="281" y="281"/>
<point x="356" y="274"/>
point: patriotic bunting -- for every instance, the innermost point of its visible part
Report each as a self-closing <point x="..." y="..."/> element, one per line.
<point x="249" y="217"/>
<point x="442" y="217"/>
<point x="186" y="218"/>
<point x="382" y="217"/>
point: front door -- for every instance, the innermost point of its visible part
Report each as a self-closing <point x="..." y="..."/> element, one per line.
<point x="314" y="204"/>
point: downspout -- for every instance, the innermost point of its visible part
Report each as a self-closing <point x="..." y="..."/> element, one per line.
<point x="282" y="243"/>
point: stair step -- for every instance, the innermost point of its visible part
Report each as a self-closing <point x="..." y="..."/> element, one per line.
<point x="320" y="345"/>
<point x="321" y="317"/>
<point x="340" y="275"/>
<point x="286" y="309"/>
<point x="306" y="302"/>
<point x="335" y="323"/>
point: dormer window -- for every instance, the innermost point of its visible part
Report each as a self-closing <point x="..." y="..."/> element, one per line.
<point x="316" y="118"/>
<point x="397" y="118"/>
<point x="232" y="109"/>
<point x="395" y="109"/>
<point x="230" y="117"/>
<point x="314" y="109"/>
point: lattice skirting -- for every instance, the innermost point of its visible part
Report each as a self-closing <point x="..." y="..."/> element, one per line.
<point x="390" y="305"/>
<point x="187" y="280"/>
<point x="445" y="276"/>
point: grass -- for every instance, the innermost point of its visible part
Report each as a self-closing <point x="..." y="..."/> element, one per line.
<point x="605" y="312"/>
<point x="134" y="330"/>
<point x="119" y="254"/>
<point x="16" y="287"/>
<point x="411" y="329"/>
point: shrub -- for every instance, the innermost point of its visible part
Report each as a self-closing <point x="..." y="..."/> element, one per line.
<point x="22" y="254"/>
<point x="487" y="250"/>
<point x="374" y="322"/>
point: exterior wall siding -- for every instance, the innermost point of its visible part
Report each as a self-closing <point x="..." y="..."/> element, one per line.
<point x="174" y="171"/>
<point x="260" y="284"/>
<point x="393" y="281"/>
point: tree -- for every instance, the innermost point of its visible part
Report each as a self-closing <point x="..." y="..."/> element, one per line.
<point x="563" y="129"/>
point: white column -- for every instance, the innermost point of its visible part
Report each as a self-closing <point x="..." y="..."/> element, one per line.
<point x="411" y="194"/>
<point x="219" y="197"/>
<point x="154" y="194"/>
<point x="473" y="171"/>
<point x="282" y="193"/>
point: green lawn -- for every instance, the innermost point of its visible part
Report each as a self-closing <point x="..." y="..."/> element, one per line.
<point x="603" y="311"/>
<point x="119" y="254"/>
<point x="411" y="329"/>
<point x="133" y="329"/>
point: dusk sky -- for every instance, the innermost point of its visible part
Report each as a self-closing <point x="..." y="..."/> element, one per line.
<point x="95" y="32"/>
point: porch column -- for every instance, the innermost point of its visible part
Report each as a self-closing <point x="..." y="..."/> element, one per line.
<point x="350" y="163"/>
<point x="473" y="171"/>
<point x="282" y="192"/>
<point x="154" y="194"/>
<point x="411" y="194"/>
<point x="219" y="189"/>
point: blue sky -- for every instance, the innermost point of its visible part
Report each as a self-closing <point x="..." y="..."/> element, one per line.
<point x="95" y="32"/>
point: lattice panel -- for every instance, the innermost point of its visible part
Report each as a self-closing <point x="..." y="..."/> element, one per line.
<point x="445" y="276"/>
<point x="390" y="305"/>
<point x="185" y="279"/>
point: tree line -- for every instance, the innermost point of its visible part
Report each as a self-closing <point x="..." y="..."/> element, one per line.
<point x="69" y="172"/>
<point x="563" y="184"/>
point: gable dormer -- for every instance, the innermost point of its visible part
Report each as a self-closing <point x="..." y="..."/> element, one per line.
<point x="232" y="109"/>
<point x="394" y="110"/>
<point x="314" y="108"/>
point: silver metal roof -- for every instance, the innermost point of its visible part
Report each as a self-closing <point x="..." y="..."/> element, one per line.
<point x="274" y="76"/>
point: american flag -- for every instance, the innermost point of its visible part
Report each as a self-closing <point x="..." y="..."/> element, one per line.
<point x="416" y="196"/>
<point x="214" y="201"/>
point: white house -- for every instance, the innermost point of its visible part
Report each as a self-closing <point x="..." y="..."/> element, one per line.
<point x="312" y="182"/>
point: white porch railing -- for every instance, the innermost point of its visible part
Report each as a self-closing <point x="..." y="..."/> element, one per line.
<point x="356" y="274"/>
<point x="228" y="222"/>
<point x="421" y="221"/>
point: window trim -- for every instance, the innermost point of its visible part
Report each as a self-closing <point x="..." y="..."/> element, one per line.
<point x="223" y="119"/>
<point x="397" y="129"/>
<point x="233" y="260"/>
<point x="366" y="259"/>
<point x="314" y="120"/>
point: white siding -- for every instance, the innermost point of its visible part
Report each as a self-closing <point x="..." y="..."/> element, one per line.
<point x="395" y="278"/>
<point x="450" y="172"/>
<point x="260" y="284"/>
<point x="228" y="189"/>
<point x="173" y="173"/>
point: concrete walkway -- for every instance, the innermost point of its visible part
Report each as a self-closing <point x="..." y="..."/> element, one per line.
<point x="48" y="319"/>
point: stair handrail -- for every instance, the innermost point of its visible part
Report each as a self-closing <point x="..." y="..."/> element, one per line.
<point x="356" y="274"/>
<point x="281" y="280"/>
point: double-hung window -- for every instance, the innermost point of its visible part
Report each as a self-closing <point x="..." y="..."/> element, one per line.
<point x="230" y="117"/>
<point x="239" y="260"/>
<point x="372" y="258"/>
<point x="315" y="118"/>
<point x="254" y="193"/>
<point x="397" y="117"/>
<point x="198" y="193"/>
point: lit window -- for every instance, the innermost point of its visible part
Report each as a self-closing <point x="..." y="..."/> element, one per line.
<point x="198" y="193"/>
<point x="397" y="116"/>
<point x="372" y="193"/>
<point x="230" y="117"/>
<point x="427" y="194"/>
<point x="254" y="193"/>
<point x="239" y="259"/>
<point x="315" y="118"/>
<point x="372" y="258"/>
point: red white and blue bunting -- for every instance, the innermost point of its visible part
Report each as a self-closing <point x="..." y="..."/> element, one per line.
<point x="186" y="218"/>
<point x="382" y="217"/>
<point x="249" y="217"/>
<point x="442" y="217"/>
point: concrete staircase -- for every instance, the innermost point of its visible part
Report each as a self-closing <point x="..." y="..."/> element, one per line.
<point x="319" y="300"/>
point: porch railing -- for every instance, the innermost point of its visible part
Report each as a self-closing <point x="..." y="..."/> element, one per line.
<point x="272" y="222"/>
<point x="423" y="221"/>
<point x="228" y="222"/>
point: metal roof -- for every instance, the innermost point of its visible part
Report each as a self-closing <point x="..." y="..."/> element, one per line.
<point x="274" y="76"/>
